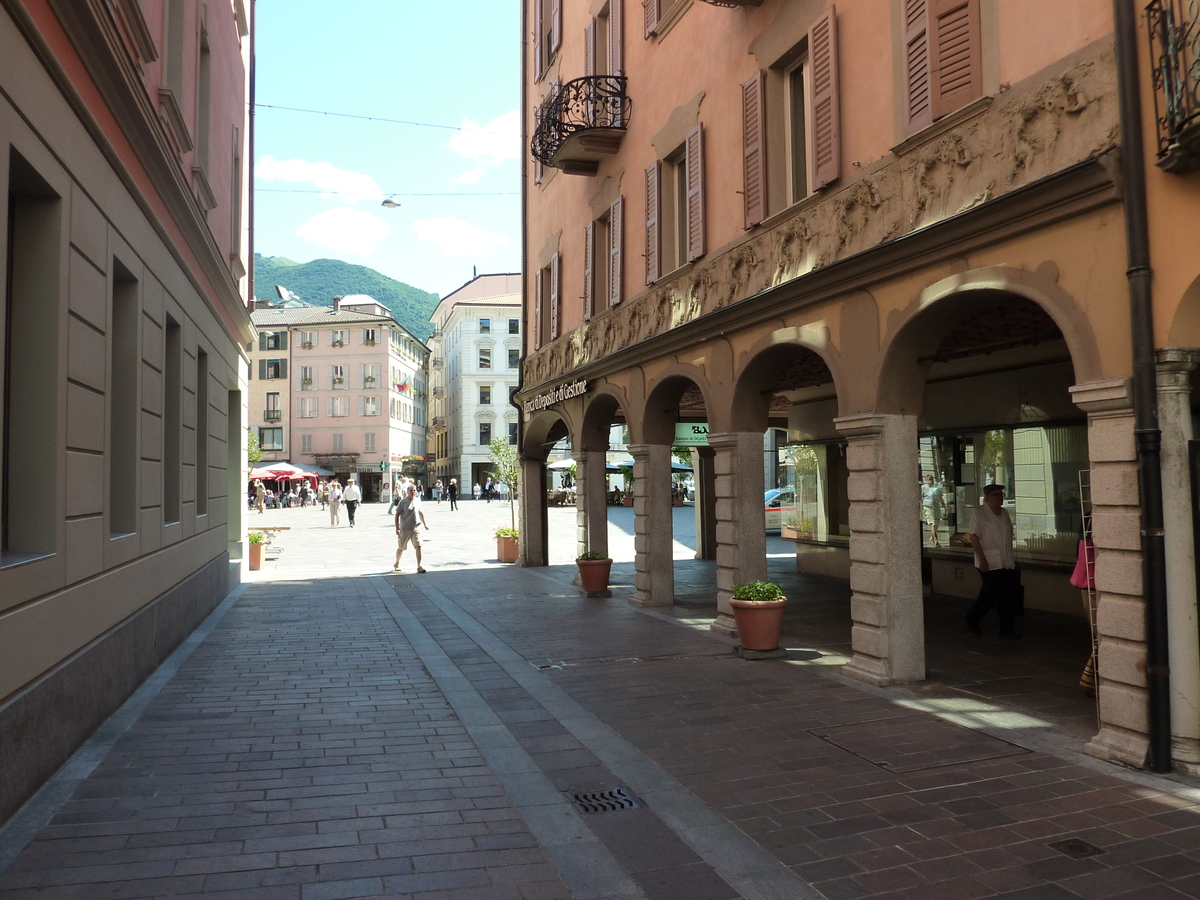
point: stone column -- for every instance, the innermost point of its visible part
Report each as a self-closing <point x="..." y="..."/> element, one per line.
<point x="1175" y="367"/>
<point x="653" y="538"/>
<point x="1121" y="610"/>
<point x="591" y="502"/>
<point x="741" y="528"/>
<point x="704" y="476"/>
<point x="887" y="602"/>
<point x="533" y="524"/>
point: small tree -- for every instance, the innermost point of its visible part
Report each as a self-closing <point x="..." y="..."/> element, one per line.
<point x="507" y="470"/>
<point x="253" y="451"/>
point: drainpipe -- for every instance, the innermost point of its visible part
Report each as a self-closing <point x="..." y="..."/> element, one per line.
<point x="1145" y="394"/>
<point x="524" y="233"/>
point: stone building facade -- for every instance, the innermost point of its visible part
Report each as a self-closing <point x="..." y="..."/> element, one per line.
<point x="124" y="244"/>
<point x="903" y="238"/>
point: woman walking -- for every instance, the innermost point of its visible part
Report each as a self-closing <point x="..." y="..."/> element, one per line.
<point x="452" y="492"/>
<point x="335" y="503"/>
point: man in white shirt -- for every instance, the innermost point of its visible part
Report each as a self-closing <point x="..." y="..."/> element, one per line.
<point x="992" y="539"/>
<point x="351" y="496"/>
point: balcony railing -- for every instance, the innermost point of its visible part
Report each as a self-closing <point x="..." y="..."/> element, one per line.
<point x="1174" y="30"/>
<point x="582" y="123"/>
<point x="271" y="415"/>
<point x="439" y="422"/>
<point x="437" y="391"/>
<point x="438" y="362"/>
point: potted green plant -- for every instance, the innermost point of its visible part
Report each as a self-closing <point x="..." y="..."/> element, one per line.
<point x="790" y="529"/>
<point x="256" y="539"/>
<point x="508" y="544"/>
<point x="594" y="569"/>
<point x="338" y="382"/>
<point x="758" y="613"/>
<point x="307" y="345"/>
<point x="337" y="344"/>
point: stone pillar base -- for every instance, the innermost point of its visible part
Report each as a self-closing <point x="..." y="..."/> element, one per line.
<point x="869" y="670"/>
<point x="725" y="625"/>
<point x="1114" y="744"/>
<point x="646" y="598"/>
<point x="1185" y="751"/>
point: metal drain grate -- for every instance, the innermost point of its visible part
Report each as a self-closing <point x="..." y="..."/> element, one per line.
<point x="603" y="801"/>
<point x="1075" y="848"/>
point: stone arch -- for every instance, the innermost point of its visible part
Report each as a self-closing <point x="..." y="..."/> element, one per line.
<point x="661" y="409"/>
<point x="603" y="402"/>
<point x="543" y="431"/>
<point x="917" y="332"/>
<point x="798" y="352"/>
<point x="1185" y="326"/>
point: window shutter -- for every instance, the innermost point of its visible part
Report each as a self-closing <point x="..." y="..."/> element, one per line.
<point x="653" y="235"/>
<point x="362" y="374"/>
<point x="300" y="406"/>
<point x="262" y="370"/>
<point x="589" y="48"/>
<point x="329" y="406"/>
<point x="537" y="310"/>
<point x="616" y="224"/>
<point x="538" y="166"/>
<point x="589" y="270"/>
<point x="362" y="406"/>
<point x="283" y="368"/>
<point x="825" y="157"/>
<point x="616" y="55"/>
<point x="555" y="294"/>
<point x="262" y="340"/>
<point x="556" y="17"/>
<point x="651" y="9"/>
<point x="754" y="148"/>
<point x="917" y="101"/>
<point x="539" y="55"/>
<point x="283" y="338"/>
<point x="956" y="77"/>
<point x="695" y="193"/>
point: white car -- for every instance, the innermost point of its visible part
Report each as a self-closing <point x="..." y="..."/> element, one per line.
<point x="779" y="505"/>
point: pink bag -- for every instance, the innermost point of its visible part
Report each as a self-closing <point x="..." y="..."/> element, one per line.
<point x="1084" y="575"/>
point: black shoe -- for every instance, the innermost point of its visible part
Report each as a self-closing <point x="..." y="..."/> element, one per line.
<point x="973" y="627"/>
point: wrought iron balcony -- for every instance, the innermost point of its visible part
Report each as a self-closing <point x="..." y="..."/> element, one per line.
<point x="439" y="422"/>
<point x="271" y="415"/>
<point x="1174" y="30"/>
<point x="582" y="123"/>
<point x="437" y="391"/>
<point x="438" y="362"/>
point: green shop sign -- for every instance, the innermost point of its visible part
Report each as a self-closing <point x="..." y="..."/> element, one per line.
<point x="691" y="434"/>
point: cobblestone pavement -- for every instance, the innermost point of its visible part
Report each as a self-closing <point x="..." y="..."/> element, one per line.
<point x="354" y="733"/>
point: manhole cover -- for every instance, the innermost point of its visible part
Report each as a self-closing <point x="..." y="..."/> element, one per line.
<point x="603" y="801"/>
<point x="1075" y="848"/>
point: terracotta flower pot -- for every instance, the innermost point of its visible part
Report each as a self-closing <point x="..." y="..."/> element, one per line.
<point x="507" y="549"/>
<point x="759" y="625"/>
<point x="593" y="574"/>
<point x="256" y="557"/>
<point x="627" y="501"/>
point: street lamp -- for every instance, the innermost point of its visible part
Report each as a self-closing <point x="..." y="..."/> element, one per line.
<point x="390" y="202"/>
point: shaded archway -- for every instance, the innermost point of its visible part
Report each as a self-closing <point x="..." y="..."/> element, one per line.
<point x="542" y="432"/>
<point x="604" y="414"/>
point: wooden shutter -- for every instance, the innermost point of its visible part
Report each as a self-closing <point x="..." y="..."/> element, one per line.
<point x="262" y="370"/>
<point x="653" y="233"/>
<point x="589" y="270"/>
<point x="825" y="155"/>
<point x="283" y="368"/>
<point x="651" y="10"/>
<point x="589" y="48"/>
<point x="362" y="406"/>
<point x="262" y="340"/>
<point x="956" y="78"/>
<point x="918" y="106"/>
<point x="539" y="54"/>
<point x="695" y="192"/>
<point x="283" y="336"/>
<point x="556" y="17"/>
<point x="555" y="297"/>
<point x="537" y="310"/>
<point x="616" y="57"/>
<point x="616" y="225"/>
<point x="754" y="148"/>
<point x="538" y="166"/>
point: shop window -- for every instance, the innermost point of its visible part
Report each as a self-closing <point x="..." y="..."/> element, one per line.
<point x="822" y="504"/>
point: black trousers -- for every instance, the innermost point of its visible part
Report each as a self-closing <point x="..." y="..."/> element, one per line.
<point x="351" y="506"/>
<point x="999" y="589"/>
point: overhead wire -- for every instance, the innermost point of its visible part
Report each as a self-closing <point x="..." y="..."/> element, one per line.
<point x="325" y="112"/>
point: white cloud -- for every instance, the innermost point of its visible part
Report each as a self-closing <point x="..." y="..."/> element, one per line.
<point x="345" y="230"/>
<point x="457" y="239"/>
<point x="487" y="145"/>
<point x="350" y="187"/>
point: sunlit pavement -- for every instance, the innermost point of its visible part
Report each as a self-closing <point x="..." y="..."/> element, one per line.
<point x="335" y="730"/>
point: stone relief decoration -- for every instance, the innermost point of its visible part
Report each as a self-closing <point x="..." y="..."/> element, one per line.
<point x="1016" y="141"/>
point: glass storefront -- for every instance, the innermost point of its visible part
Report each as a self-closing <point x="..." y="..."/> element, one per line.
<point x="822" y="505"/>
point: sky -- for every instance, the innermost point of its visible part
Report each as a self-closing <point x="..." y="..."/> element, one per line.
<point x="320" y="179"/>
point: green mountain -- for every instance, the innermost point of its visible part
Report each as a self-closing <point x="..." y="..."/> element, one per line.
<point x="319" y="281"/>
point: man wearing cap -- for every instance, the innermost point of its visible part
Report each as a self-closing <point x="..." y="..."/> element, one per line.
<point x="992" y="539"/>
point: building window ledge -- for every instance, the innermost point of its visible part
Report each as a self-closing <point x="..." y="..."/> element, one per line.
<point x="941" y="126"/>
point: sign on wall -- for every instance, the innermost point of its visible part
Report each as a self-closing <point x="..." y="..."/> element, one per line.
<point x="691" y="434"/>
<point x="563" y="392"/>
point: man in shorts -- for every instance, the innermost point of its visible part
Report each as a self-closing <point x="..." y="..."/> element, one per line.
<point x="408" y="514"/>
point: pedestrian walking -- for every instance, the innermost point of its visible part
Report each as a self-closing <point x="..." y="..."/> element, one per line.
<point x="304" y="494"/>
<point x="408" y="514"/>
<point x="488" y="490"/>
<point x="475" y="491"/>
<point x="437" y="491"/>
<point x="351" y="496"/>
<point x="992" y="539"/>
<point x="452" y="493"/>
<point x="323" y="495"/>
<point x="335" y="503"/>
<point x="260" y="497"/>
<point x="396" y="498"/>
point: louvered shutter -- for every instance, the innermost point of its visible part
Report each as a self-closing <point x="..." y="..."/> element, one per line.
<point x="262" y="340"/>
<point x="653" y="233"/>
<point x="538" y="167"/>
<point x="329" y="407"/>
<point x="918" y="106"/>
<point x="754" y="148"/>
<point x="537" y="310"/>
<point x="589" y="48"/>
<point x="362" y="374"/>
<point x="616" y="53"/>
<point x="651" y="10"/>
<point x="616" y="225"/>
<point x="362" y="406"/>
<point x="283" y="339"/>
<point x="556" y="17"/>
<point x="589" y="270"/>
<point x="539" y="55"/>
<point x="262" y="370"/>
<point x="695" y="192"/>
<point x="555" y="297"/>
<point x="283" y="368"/>
<point x="956" y="77"/>
<point x="825" y="156"/>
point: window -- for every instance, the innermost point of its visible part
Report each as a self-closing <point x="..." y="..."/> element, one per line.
<point x="339" y="337"/>
<point x="272" y="369"/>
<point x="339" y="406"/>
<point x="306" y="407"/>
<point x="202" y="433"/>
<point x="370" y="336"/>
<point x="660" y="14"/>
<point x="512" y="433"/>
<point x="338" y="443"/>
<point x="270" y="438"/>
<point x="546" y="303"/>
<point x="942" y="59"/>
<point x="485" y="433"/>
<point x="485" y="395"/>
<point x="675" y="208"/>
<point x="123" y="456"/>
<point x="172" y="421"/>
<point x="485" y="326"/>
<point x="370" y="375"/>
<point x="272" y="340"/>
<point x="306" y="443"/>
<point x="485" y="358"/>
<point x="369" y="443"/>
<point x="602" y="267"/>
<point x="337" y="378"/>
<point x="514" y="326"/>
<point x="547" y="34"/>
<point x="272" y="413"/>
<point x="514" y="358"/>
<point x="368" y="406"/>
<point x="308" y="378"/>
<point x="310" y="339"/>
